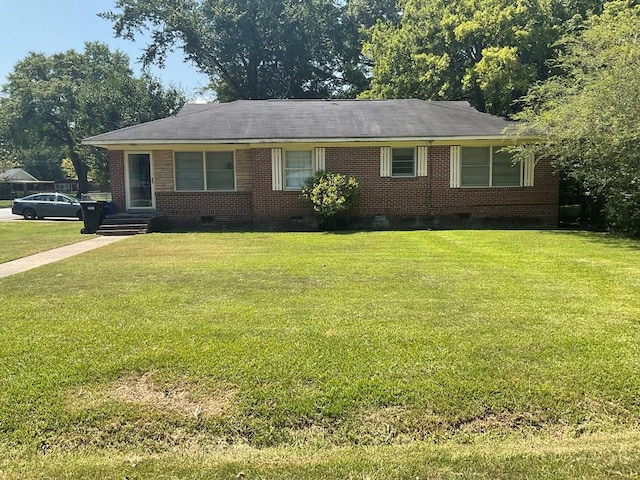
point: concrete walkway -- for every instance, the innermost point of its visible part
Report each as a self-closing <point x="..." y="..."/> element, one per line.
<point x="50" y="256"/>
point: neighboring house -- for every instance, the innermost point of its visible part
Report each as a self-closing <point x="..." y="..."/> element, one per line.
<point x="17" y="181"/>
<point x="420" y="164"/>
<point x="68" y="185"/>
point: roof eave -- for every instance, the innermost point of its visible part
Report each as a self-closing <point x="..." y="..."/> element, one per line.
<point x="258" y="141"/>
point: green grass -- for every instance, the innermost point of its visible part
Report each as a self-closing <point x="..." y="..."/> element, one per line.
<point x="20" y="239"/>
<point x="6" y="203"/>
<point x="459" y="354"/>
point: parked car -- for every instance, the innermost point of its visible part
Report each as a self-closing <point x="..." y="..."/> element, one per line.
<point x="41" y="205"/>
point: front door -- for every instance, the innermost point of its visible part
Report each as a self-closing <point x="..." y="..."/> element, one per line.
<point x="140" y="194"/>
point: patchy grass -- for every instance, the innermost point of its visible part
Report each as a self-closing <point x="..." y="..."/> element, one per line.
<point x="20" y="239"/>
<point x="600" y="456"/>
<point x="368" y="355"/>
<point x="176" y="398"/>
<point x="6" y="203"/>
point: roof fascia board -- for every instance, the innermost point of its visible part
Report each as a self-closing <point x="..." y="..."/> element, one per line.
<point x="109" y="144"/>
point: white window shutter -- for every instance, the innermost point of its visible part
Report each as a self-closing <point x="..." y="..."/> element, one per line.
<point x="385" y="161"/>
<point x="421" y="164"/>
<point x="276" y="168"/>
<point x="319" y="158"/>
<point x="529" y="170"/>
<point x="454" y="165"/>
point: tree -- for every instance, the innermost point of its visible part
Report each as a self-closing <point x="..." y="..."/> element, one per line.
<point x="486" y="51"/>
<point x="6" y="163"/>
<point x="51" y="103"/>
<point x="258" y="49"/>
<point x="359" y="16"/>
<point x="6" y="158"/>
<point x="39" y="159"/>
<point x="589" y="114"/>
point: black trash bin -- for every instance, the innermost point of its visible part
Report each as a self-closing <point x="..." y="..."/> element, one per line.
<point x="93" y="212"/>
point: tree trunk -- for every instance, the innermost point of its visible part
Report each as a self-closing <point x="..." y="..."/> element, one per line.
<point x="81" y="172"/>
<point x="79" y="166"/>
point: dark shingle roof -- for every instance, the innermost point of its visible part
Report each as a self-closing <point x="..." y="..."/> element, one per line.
<point x="318" y="120"/>
<point x="17" y="175"/>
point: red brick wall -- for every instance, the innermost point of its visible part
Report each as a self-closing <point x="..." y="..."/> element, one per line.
<point x="414" y="202"/>
<point x="116" y="171"/>
<point x="220" y="209"/>
<point x="541" y="200"/>
<point x="433" y="196"/>
<point x="379" y="195"/>
<point x="273" y="209"/>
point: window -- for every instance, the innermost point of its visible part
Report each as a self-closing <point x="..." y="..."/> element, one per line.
<point x="488" y="167"/>
<point x="298" y="166"/>
<point x="402" y="162"/>
<point x="189" y="173"/>
<point x="197" y="171"/>
<point x="45" y="198"/>
<point x="63" y="187"/>
<point x="504" y="172"/>
<point x="220" y="171"/>
<point x="290" y="168"/>
<point x="63" y="199"/>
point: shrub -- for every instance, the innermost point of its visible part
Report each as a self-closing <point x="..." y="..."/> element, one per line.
<point x="330" y="193"/>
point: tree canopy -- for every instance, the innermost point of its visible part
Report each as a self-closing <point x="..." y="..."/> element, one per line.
<point x="51" y="103"/>
<point x="258" y="50"/>
<point x="589" y="112"/>
<point x="486" y="51"/>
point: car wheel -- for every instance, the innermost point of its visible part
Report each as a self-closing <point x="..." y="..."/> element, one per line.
<point x="29" y="214"/>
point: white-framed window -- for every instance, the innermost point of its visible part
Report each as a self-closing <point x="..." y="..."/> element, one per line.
<point x="297" y="166"/>
<point x="220" y="171"/>
<point x="488" y="167"/>
<point x="204" y="171"/>
<point x="403" y="162"/>
<point x="189" y="171"/>
<point x="408" y="161"/>
<point x="290" y="168"/>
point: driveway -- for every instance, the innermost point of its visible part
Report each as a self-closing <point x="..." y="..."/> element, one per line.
<point x="6" y="215"/>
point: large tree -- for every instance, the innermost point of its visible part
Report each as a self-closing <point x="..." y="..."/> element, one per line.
<point x="258" y="49"/>
<point x="56" y="101"/>
<point x="590" y="113"/>
<point x="486" y="51"/>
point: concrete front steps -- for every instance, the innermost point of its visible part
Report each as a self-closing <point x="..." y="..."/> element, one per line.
<point x="127" y="224"/>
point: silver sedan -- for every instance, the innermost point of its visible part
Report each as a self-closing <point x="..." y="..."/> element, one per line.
<point x="41" y="205"/>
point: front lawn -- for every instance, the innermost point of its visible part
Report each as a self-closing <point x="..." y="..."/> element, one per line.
<point x="20" y="239"/>
<point x="452" y="354"/>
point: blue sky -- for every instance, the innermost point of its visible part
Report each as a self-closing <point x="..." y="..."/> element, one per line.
<point x="51" y="26"/>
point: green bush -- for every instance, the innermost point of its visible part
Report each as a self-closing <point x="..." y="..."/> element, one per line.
<point x="330" y="193"/>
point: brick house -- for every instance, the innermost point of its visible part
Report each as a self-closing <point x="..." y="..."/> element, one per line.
<point x="420" y="164"/>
